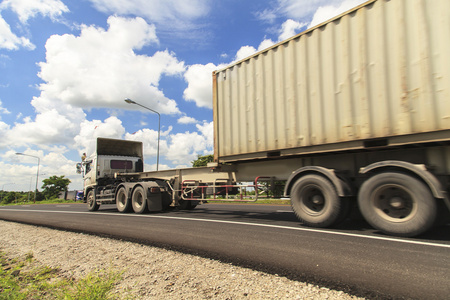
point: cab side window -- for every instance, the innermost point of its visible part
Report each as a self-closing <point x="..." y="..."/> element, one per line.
<point x="88" y="167"/>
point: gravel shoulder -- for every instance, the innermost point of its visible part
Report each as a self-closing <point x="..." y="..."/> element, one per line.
<point x="150" y="272"/>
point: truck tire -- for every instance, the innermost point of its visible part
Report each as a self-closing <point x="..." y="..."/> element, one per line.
<point x="123" y="202"/>
<point x="90" y="199"/>
<point x="316" y="203"/>
<point x="397" y="204"/>
<point x="139" y="200"/>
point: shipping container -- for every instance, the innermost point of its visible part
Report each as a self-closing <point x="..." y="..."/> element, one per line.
<point x="378" y="75"/>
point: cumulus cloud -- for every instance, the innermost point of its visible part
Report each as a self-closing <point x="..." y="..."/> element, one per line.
<point x="86" y="139"/>
<point x="290" y="28"/>
<point x="48" y="128"/>
<point x="177" y="148"/>
<point x="332" y="10"/>
<point x="99" y="68"/>
<point x="149" y="139"/>
<point x="199" y="79"/>
<point x="207" y="131"/>
<point x="244" y="51"/>
<point x="266" y="44"/>
<point x="26" y="9"/>
<point x="192" y="142"/>
<point x="21" y="170"/>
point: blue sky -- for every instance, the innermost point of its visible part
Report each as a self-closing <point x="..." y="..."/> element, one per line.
<point x="66" y="67"/>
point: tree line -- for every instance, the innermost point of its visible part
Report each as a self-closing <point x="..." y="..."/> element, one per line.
<point x="51" y="189"/>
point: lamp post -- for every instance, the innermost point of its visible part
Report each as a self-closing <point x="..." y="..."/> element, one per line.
<point x="37" y="174"/>
<point x="129" y="101"/>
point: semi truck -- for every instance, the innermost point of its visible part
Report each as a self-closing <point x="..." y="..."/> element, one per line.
<point x="354" y="112"/>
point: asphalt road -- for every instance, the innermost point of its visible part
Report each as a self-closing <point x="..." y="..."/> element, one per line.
<point x="269" y="238"/>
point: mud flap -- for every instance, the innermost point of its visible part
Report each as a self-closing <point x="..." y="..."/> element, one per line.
<point x="154" y="200"/>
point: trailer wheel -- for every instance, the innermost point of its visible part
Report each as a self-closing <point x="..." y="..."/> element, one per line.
<point x="90" y="199"/>
<point x="316" y="203"/>
<point x="397" y="204"/>
<point x="139" y="201"/>
<point x="122" y="200"/>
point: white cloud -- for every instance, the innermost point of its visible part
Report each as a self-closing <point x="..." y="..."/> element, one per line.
<point x="86" y="139"/>
<point x="199" y="79"/>
<point x="179" y="148"/>
<point x="26" y="9"/>
<point x="10" y="41"/>
<point x="290" y="28"/>
<point x="267" y="15"/>
<point x="170" y="13"/>
<point x="183" y="147"/>
<point x="187" y="120"/>
<point x="244" y="51"/>
<point x="149" y="139"/>
<point x="302" y="11"/>
<point x="100" y="68"/>
<point x="49" y="127"/>
<point x="332" y="10"/>
<point x="21" y="170"/>
<point x="298" y="10"/>
<point x="207" y="131"/>
<point x="3" y="110"/>
<point x="266" y="44"/>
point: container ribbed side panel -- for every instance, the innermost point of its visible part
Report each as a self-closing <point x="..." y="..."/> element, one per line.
<point x="381" y="70"/>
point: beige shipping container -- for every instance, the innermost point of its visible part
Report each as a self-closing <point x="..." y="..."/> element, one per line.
<point x="376" y="76"/>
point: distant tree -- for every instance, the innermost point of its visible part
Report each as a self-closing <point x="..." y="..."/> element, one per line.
<point x="12" y="197"/>
<point x="54" y="185"/>
<point x="202" y="160"/>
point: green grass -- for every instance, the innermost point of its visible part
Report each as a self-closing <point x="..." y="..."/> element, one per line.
<point x="25" y="279"/>
<point x="51" y="201"/>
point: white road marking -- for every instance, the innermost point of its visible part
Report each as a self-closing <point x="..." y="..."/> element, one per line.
<point x="398" y="240"/>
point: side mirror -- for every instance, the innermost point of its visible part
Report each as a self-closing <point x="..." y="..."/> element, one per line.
<point x="79" y="168"/>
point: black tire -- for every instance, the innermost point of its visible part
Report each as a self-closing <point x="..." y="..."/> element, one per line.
<point x="316" y="203"/>
<point x="139" y="200"/>
<point x="123" y="202"/>
<point x="397" y="204"/>
<point x="90" y="200"/>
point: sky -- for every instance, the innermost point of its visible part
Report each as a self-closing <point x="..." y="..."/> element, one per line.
<point x="66" y="67"/>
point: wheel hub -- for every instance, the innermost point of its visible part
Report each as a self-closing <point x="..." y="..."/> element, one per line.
<point x="317" y="199"/>
<point x="393" y="202"/>
<point x="397" y="202"/>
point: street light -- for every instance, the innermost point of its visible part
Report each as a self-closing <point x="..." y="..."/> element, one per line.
<point x="129" y="101"/>
<point x="37" y="174"/>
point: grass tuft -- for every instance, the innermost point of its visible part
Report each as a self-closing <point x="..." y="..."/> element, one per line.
<point x="25" y="279"/>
